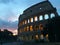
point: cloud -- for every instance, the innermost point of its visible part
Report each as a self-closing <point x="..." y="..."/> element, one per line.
<point x="11" y="26"/>
<point x="13" y="8"/>
<point x="8" y="14"/>
<point x="8" y="25"/>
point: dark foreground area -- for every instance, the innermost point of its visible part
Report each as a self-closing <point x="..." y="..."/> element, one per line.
<point x="10" y="43"/>
<point x="54" y="43"/>
<point x="17" y="43"/>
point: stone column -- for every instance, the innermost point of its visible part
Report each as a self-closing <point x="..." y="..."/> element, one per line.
<point x="43" y="17"/>
<point x="29" y="27"/>
<point x="49" y="16"/>
<point x="38" y="18"/>
<point x="33" y="19"/>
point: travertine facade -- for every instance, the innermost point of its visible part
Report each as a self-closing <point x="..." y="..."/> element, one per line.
<point x="33" y="20"/>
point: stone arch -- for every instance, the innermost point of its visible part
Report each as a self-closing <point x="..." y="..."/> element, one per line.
<point x="46" y="16"/>
<point x="52" y="15"/>
<point x="40" y="17"/>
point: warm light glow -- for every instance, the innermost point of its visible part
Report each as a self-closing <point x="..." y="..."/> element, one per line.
<point x="41" y="27"/>
<point x="46" y="35"/>
<point x="35" y="18"/>
<point x="15" y="32"/>
<point x="25" y="22"/>
<point x="27" y="28"/>
<point x="41" y="36"/>
<point x="31" y="28"/>
<point x="31" y="19"/>
<point x="37" y="37"/>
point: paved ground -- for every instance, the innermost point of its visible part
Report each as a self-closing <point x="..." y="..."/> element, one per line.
<point x="15" y="43"/>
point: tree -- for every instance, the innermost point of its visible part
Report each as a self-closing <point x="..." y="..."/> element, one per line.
<point x="7" y="36"/>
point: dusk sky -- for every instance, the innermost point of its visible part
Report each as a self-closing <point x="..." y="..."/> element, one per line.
<point x="11" y="9"/>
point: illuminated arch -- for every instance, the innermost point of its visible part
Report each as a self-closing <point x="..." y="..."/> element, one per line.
<point x="46" y="16"/>
<point x="52" y="15"/>
<point x="40" y="17"/>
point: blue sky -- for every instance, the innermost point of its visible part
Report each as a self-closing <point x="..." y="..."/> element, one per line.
<point x="11" y="9"/>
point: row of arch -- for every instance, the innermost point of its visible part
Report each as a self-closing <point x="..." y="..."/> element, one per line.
<point x="33" y="37"/>
<point x="37" y="18"/>
<point x="31" y="28"/>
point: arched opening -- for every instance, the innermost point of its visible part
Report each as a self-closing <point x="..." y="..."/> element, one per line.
<point x="28" y="21"/>
<point x="27" y="28"/>
<point x="40" y="17"/>
<point x="36" y="27"/>
<point x="25" y="21"/>
<point x="31" y="19"/>
<point x="36" y="37"/>
<point x="20" y="31"/>
<point x="41" y="27"/>
<point x="35" y="18"/>
<point x="47" y="36"/>
<point x="46" y="16"/>
<point x="52" y="15"/>
<point x="31" y="28"/>
<point x="41" y="36"/>
<point x="30" y="37"/>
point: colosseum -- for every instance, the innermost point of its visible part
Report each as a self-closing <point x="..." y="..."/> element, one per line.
<point x="33" y="20"/>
